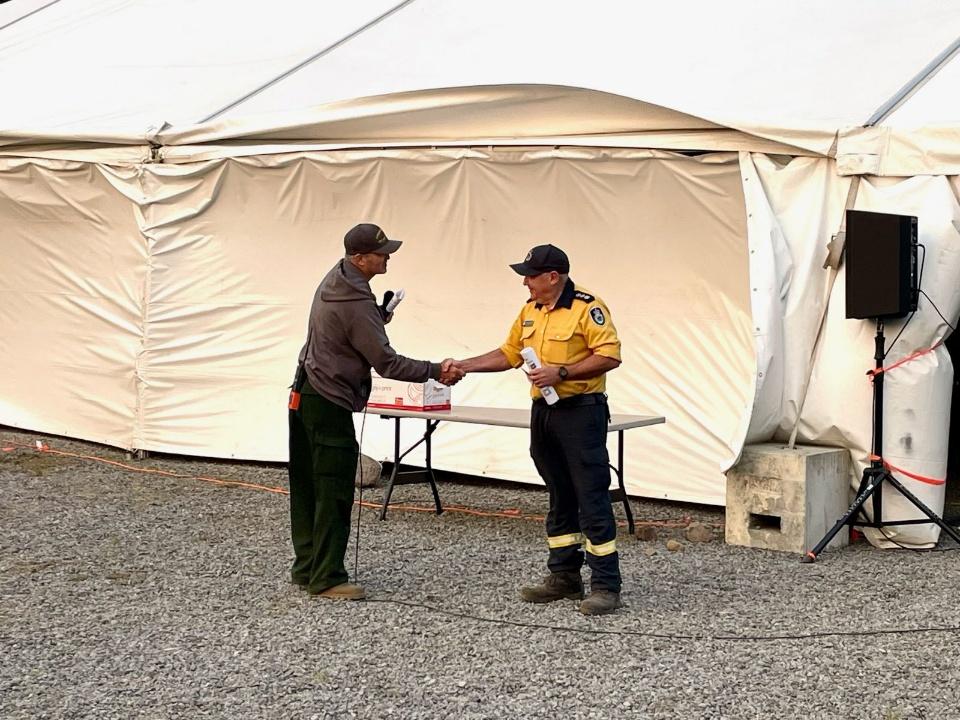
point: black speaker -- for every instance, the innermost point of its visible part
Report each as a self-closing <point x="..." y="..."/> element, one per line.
<point x="881" y="261"/>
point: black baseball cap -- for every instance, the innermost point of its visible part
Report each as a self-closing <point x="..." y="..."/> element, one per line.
<point x="369" y="238"/>
<point x="541" y="259"/>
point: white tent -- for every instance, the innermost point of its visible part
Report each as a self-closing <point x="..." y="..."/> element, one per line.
<point x="175" y="177"/>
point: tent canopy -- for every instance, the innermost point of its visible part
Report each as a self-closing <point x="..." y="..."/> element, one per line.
<point x="794" y="74"/>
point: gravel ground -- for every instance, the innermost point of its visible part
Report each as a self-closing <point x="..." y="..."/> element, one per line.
<point x="127" y="594"/>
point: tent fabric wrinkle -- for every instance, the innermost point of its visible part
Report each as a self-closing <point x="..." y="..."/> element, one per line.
<point x="70" y="315"/>
<point x="457" y="112"/>
<point x="771" y="269"/>
<point x="893" y="152"/>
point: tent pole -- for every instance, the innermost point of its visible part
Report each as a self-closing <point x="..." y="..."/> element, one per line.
<point x="306" y="62"/>
<point x="914" y="84"/>
<point x="32" y="12"/>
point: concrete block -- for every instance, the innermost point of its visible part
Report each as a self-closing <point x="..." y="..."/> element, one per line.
<point x="786" y="499"/>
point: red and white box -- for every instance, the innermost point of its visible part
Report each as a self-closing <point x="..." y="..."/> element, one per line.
<point x="397" y="394"/>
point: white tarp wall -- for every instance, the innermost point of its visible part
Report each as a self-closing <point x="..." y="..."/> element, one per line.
<point x="194" y="280"/>
<point x="73" y="272"/>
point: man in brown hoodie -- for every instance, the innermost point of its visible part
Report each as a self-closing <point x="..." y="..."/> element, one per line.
<point x="345" y="338"/>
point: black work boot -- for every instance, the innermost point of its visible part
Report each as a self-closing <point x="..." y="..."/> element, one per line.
<point x="555" y="586"/>
<point x="601" y="602"/>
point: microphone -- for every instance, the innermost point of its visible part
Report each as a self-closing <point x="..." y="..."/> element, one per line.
<point x="391" y="299"/>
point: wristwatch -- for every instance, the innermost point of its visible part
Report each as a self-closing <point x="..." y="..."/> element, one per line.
<point x="563" y="373"/>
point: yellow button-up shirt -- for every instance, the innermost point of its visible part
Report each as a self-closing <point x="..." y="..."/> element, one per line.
<point x="579" y="325"/>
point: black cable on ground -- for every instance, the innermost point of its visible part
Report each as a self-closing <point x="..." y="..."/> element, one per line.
<point x="670" y="636"/>
<point x="356" y="554"/>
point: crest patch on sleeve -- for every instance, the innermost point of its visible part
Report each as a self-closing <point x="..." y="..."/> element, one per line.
<point x="596" y="314"/>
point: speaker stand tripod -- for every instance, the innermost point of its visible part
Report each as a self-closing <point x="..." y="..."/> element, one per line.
<point x="876" y="475"/>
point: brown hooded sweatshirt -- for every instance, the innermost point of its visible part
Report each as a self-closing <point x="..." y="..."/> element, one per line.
<point x="346" y="337"/>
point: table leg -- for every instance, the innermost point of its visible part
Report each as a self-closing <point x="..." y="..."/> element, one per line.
<point x="427" y="474"/>
<point x="393" y="470"/>
<point x="623" y="489"/>
<point x="430" y="475"/>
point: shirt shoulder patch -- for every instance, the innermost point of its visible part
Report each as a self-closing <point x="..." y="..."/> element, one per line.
<point x="596" y="314"/>
<point x="586" y="297"/>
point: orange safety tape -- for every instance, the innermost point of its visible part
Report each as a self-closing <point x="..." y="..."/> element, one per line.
<point x="154" y="471"/>
<point x="513" y="513"/>
<point x="914" y="476"/>
<point x="912" y="356"/>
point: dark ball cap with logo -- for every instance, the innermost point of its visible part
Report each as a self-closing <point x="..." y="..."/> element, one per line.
<point x="541" y="259"/>
<point x="369" y="238"/>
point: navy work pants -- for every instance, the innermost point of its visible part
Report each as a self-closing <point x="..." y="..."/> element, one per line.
<point x="568" y="444"/>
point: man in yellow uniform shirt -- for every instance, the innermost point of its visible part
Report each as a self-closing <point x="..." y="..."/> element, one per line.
<point x="573" y="335"/>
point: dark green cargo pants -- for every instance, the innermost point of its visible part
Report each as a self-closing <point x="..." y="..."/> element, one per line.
<point x="323" y="464"/>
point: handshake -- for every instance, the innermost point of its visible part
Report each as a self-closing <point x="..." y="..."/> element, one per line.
<point x="451" y="371"/>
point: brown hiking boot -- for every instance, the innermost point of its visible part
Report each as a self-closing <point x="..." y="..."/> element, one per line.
<point x="555" y="586"/>
<point x="343" y="591"/>
<point x="601" y="602"/>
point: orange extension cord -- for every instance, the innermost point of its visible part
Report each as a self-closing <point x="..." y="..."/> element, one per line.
<point x="512" y="513"/>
